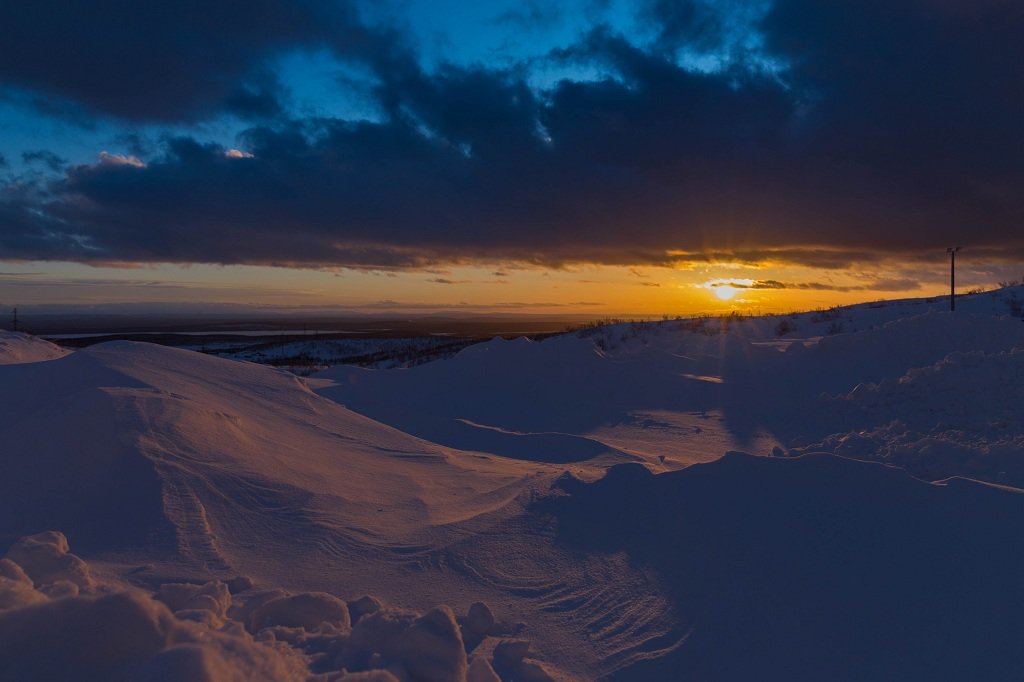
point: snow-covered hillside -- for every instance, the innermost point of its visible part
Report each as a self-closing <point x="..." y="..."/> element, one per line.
<point x="195" y="445"/>
<point x="676" y="392"/>
<point x="172" y="465"/>
<point x="226" y="518"/>
<point x="17" y="347"/>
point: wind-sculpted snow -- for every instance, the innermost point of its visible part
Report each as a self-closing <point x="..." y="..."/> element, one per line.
<point x="226" y="517"/>
<point x="958" y="417"/>
<point x="674" y="389"/>
<point x="73" y="629"/>
<point x="57" y="622"/>
<point x="16" y="348"/>
<point x="164" y="462"/>
<point x="813" y="568"/>
<point x="541" y="401"/>
<point x="157" y="445"/>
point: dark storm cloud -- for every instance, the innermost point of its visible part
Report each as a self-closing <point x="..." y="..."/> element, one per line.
<point x="891" y="130"/>
<point x="701" y="24"/>
<point x="255" y="103"/>
<point x="164" y="61"/>
<point x="47" y="158"/>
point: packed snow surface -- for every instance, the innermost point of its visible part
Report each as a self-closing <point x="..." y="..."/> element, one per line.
<point x="528" y="510"/>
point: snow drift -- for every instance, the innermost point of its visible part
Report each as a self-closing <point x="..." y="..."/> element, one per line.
<point x="58" y="622"/>
<point x="136" y="448"/>
<point x="228" y="519"/>
<point x="814" y="568"/>
<point x="684" y="391"/>
<point x="17" y="347"/>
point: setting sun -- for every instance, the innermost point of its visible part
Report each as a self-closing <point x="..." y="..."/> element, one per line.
<point x="725" y="292"/>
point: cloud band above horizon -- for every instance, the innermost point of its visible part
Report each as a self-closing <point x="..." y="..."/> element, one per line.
<point x="822" y="134"/>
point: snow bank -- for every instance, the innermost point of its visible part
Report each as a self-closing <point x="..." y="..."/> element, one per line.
<point x="219" y="468"/>
<point x="524" y="399"/>
<point x="307" y="611"/>
<point x="958" y="417"/>
<point x="605" y="392"/>
<point x="93" y="630"/>
<point x="57" y="623"/>
<point x="127" y="445"/>
<point x="18" y="347"/>
<point x="126" y="635"/>
<point x="811" y="568"/>
<point x="46" y="560"/>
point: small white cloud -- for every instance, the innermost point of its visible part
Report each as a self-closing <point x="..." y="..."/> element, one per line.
<point x="238" y="154"/>
<point x="107" y="159"/>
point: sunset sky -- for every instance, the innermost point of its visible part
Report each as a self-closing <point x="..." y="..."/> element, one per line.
<point x="644" y="157"/>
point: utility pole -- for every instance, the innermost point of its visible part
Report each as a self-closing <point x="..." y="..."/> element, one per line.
<point x="14" y="320"/>
<point x="952" y="276"/>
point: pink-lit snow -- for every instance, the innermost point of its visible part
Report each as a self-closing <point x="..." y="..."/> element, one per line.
<point x="527" y="510"/>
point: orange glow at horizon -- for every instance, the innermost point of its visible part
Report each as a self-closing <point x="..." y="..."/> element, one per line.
<point x="578" y="290"/>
